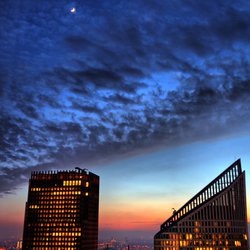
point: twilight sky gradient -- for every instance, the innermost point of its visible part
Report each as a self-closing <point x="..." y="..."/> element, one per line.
<point x="153" y="96"/>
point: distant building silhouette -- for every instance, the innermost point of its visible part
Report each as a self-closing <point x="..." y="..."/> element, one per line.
<point x="62" y="211"/>
<point x="215" y="218"/>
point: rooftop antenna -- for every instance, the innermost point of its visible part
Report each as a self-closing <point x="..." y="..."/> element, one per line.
<point x="81" y="169"/>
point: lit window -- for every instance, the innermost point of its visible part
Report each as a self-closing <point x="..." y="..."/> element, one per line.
<point x="34" y="206"/>
<point x="237" y="243"/>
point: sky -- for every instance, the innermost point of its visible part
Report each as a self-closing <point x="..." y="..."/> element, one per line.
<point x="153" y="96"/>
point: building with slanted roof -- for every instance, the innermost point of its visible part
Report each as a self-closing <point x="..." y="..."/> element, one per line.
<point x="215" y="218"/>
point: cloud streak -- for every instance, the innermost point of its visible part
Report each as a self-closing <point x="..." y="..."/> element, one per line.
<point x="87" y="93"/>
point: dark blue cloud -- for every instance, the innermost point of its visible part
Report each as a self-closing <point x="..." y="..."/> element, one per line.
<point x="77" y="88"/>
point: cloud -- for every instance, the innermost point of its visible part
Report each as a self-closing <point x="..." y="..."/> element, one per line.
<point x="122" y="99"/>
<point x="86" y="108"/>
<point x="86" y="93"/>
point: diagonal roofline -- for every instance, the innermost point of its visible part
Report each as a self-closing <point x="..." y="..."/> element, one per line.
<point x="219" y="184"/>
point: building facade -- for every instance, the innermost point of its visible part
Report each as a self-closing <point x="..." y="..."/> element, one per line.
<point x="214" y="219"/>
<point x="62" y="211"/>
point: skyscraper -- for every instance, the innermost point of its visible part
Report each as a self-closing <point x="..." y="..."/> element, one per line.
<point x="62" y="211"/>
<point x="215" y="218"/>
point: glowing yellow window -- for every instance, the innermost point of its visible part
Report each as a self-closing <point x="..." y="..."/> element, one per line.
<point x="87" y="184"/>
<point x="86" y="194"/>
<point x="237" y="243"/>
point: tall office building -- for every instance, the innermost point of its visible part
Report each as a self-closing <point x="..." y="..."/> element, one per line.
<point x="215" y="218"/>
<point x="62" y="211"/>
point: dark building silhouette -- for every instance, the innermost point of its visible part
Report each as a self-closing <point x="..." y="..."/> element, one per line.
<point x="215" y="218"/>
<point x="62" y="211"/>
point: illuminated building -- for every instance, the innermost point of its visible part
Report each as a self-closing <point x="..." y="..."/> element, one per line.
<point x="19" y="245"/>
<point x="215" y="218"/>
<point x="62" y="211"/>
